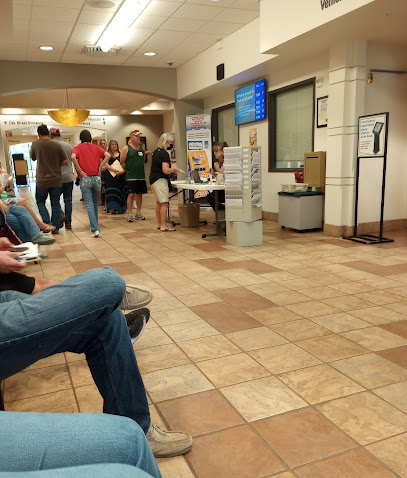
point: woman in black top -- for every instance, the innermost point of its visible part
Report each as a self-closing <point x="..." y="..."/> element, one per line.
<point x="160" y="169"/>
<point x="116" y="189"/>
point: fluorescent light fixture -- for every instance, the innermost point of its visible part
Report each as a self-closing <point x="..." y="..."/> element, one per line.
<point x="149" y="53"/>
<point x="46" y="48"/>
<point x="122" y="21"/>
<point x="136" y="112"/>
<point x="12" y="111"/>
<point x="98" y="113"/>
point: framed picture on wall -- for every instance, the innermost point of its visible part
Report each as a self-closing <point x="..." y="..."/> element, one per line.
<point x="322" y="112"/>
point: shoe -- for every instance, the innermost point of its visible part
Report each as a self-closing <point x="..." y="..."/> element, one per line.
<point x="165" y="444"/>
<point x="130" y="218"/>
<point x="68" y="226"/>
<point x="55" y="231"/>
<point x="43" y="240"/>
<point x="139" y="217"/>
<point x="136" y="297"/>
<point x="62" y="219"/>
<point x="136" y="321"/>
<point x="96" y="233"/>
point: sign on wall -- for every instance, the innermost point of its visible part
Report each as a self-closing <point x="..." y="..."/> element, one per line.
<point x="372" y="135"/>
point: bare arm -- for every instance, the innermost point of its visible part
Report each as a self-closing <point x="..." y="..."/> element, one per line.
<point x="123" y="154"/>
<point x="77" y="167"/>
<point x="105" y="160"/>
<point x="167" y="169"/>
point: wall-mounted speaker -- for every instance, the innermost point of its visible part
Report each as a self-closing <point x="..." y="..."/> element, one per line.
<point x="220" y="72"/>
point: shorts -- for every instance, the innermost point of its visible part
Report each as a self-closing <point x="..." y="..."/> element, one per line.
<point x="137" y="186"/>
<point x="160" y="190"/>
<point x="18" y="282"/>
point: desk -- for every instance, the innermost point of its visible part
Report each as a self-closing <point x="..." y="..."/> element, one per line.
<point x="180" y="185"/>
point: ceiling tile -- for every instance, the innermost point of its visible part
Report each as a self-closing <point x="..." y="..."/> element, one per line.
<point x="94" y="17"/>
<point x="181" y="25"/>
<point x="86" y="34"/>
<point x="221" y="28"/>
<point x="198" y="12"/>
<point x="59" y="3"/>
<point x="21" y="12"/>
<point x="149" y="21"/>
<point x="235" y="15"/>
<point x="247" y="4"/>
<point x="55" y="14"/>
<point x="162" y="8"/>
<point x="220" y="4"/>
<point x="135" y="37"/>
<point x="161" y="41"/>
<point x="45" y="32"/>
<point x="27" y="3"/>
<point x="89" y="6"/>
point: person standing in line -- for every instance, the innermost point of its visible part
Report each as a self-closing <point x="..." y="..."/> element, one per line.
<point x="68" y="178"/>
<point x="86" y="159"/>
<point x="103" y="176"/>
<point x="50" y="157"/>
<point x="160" y="169"/>
<point x="133" y="156"/>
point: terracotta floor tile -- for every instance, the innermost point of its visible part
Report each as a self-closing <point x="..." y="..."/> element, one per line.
<point x="375" y="338"/>
<point x="186" y="413"/>
<point x="354" y="464"/>
<point x="254" y="303"/>
<point x="262" y="398"/>
<point x="86" y="265"/>
<point x="340" y="322"/>
<point x="398" y="328"/>
<point x="236" y="293"/>
<point x="365" y="417"/>
<point x="257" y="338"/>
<point x="89" y="399"/>
<point x="397" y="355"/>
<point x="395" y="394"/>
<point x="274" y="315"/>
<point x="377" y="315"/>
<point x="161" y="357"/>
<point x="175" y="382"/>
<point x="299" y="330"/>
<point x="319" y="383"/>
<point x="208" y="348"/>
<point x="332" y="347"/>
<point x="370" y="370"/>
<point x="392" y="452"/>
<point x="232" y="369"/>
<point x="303" y="436"/>
<point x="193" y="330"/>
<point x="54" y="402"/>
<point x="36" y="382"/>
<point x="244" y="455"/>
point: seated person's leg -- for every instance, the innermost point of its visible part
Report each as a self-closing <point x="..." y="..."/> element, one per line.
<point x="24" y="226"/>
<point x="87" y="471"/>
<point x="44" y="441"/>
<point x="43" y="227"/>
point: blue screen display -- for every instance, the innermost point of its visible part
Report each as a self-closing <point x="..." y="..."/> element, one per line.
<point x="250" y="103"/>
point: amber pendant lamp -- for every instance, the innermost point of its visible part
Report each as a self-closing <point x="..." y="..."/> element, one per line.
<point x="67" y="116"/>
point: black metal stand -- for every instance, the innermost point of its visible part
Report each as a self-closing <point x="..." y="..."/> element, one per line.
<point x="369" y="238"/>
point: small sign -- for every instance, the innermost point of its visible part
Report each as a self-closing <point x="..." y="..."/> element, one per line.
<point x="372" y="135"/>
<point x="322" y="112"/>
<point x="253" y="137"/>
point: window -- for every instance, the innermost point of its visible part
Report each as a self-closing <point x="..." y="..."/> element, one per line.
<point x="291" y="125"/>
<point x="223" y="125"/>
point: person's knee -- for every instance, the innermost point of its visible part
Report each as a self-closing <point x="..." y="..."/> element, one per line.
<point x="42" y="283"/>
<point x="107" y="280"/>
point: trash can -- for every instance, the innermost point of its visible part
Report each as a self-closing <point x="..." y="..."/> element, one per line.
<point x="189" y="215"/>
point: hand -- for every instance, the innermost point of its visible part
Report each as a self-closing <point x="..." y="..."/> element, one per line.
<point x="84" y="175"/>
<point x="5" y="244"/>
<point x="3" y="207"/>
<point x="175" y="170"/>
<point x="8" y="262"/>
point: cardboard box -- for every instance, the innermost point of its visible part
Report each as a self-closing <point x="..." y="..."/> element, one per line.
<point x="314" y="169"/>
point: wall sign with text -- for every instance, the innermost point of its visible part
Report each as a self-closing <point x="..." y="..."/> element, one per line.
<point x="322" y="112"/>
<point x="373" y="135"/>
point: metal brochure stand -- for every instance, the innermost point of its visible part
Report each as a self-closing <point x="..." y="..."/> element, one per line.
<point x="372" y="143"/>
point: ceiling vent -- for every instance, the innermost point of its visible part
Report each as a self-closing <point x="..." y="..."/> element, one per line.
<point x="97" y="51"/>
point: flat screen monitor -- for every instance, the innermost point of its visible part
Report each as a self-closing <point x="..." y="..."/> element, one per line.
<point x="250" y="103"/>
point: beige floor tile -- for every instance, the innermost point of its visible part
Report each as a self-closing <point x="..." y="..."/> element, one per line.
<point x="286" y="298"/>
<point x="312" y="309"/>
<point x="340" y="322"/>
<point x="201" y="298"/>
<point x="232" y="369"/>
<point x="213" y="285"/>
<point x="370" y="370"/>
<point x="375" y="338"/>
<point x="299" y="284"/>
<point x="80" y="256"/>
<point x="395" y="394"/>
<point x="89" y="399"/>
<point x="71" y="357"/>
<point x="399" y="291"/>
<point x="208" y="348"/>
<point x="332" y="347"/>
<point x="192" y="330"/>
<point x="320" y="383"/>
<point x="267" y="289"/>
<point x="175" y="316"/>
<point x="365" y="417"/>
<point x="257" y="338"/>
<point x="80" y="373"/>
<point x="299" y="330"/>
<point x="175" y="382"/>
<point x="57" y="359"/>
<point x="284" y="358"/>
<point x="400" y="307"/>
<point x="174" y="467"/>
<point x="161" y="357"/>
<point x="152" y="337"/>
<point x="352" y="287"/>
<point x="321" y="292"/>
<point x="347" y="303"/>
<point x="262" y="398"/>
<point x="165" y="304"/>
<point x="273" y="315"/>
<point x="251" y="279"/>
<point x="380" y="297"/>
<point x="381" y="283"/>
<point x="392" y="452"/>
<point x="377" y="315"/>
<point x="54" y="402"/>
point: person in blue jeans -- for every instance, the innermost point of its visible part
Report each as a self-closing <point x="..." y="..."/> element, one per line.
<point x="79" y="315"/>
<point x="86" y="159"/>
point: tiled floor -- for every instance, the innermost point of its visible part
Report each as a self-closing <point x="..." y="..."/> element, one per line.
<point x="287" y="359"/>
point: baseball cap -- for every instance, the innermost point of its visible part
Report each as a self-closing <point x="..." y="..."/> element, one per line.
<point x="54" y="132"/>
<point x="135" y="132"/>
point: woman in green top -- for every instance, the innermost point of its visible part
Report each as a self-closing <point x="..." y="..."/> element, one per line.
<point x="133" y="155"/>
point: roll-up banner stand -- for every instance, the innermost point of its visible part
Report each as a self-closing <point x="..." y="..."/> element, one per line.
<point x="372" y="143"/>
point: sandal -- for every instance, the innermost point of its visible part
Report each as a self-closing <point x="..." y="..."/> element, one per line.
<point x="48" y="228"/>
<point x="168" y="229"/>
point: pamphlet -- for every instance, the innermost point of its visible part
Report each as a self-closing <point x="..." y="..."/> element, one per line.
<point x="116" y="165"/>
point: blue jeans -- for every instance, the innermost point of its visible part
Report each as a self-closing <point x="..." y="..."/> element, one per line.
<point x="20" y="220"/>
<point x="66" y="192"/>
<point x="41" y="195"/>
<point x="33" y="442"/>
<point x="80" y="315"/>
<point x="90" y="188"/>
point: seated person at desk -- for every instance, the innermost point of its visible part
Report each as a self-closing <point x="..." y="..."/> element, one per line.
<point x="218" y="169"/>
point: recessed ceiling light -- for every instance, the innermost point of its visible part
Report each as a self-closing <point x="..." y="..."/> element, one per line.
<point x="102" y="3"/>
<point x="149" y="53"/>
<point x="46" y="48"/>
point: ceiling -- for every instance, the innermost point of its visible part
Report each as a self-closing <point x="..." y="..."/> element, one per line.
<point x="176" y="30"/>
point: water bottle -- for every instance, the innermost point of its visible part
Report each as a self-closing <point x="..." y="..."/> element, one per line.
<point x="3" y="195"/>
